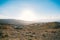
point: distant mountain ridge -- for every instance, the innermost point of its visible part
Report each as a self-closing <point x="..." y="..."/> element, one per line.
<point x="18" y="22"/>
<point x="13" y="21"/>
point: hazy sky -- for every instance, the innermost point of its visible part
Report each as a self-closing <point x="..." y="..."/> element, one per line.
<point x="30" y="10"/>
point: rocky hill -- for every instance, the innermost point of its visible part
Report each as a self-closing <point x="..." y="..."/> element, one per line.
<point x="36" y="31"/>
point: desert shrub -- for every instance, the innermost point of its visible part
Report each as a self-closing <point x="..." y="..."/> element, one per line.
<point x="1" y="34"/>
<point x="51" y="25"/>
<point x="29" y="39"/>
<point x="44" y="35"/>
<point x="31" y="35"/>
<point x="6" y="35"/>
<point x="53" y="31"/>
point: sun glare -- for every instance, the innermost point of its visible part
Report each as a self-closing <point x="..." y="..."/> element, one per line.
<point x="28" y="15"/>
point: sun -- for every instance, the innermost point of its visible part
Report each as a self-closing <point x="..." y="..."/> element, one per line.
<point x="28" y="15"/>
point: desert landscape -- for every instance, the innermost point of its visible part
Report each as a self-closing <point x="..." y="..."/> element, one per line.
<point x="29" y="19"/>
<point x="33" y="31"/>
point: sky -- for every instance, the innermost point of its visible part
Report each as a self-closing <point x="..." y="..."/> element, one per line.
<point x="30" y="10"/>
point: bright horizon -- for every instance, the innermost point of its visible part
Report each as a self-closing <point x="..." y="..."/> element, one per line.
<point x="30" y="10"/>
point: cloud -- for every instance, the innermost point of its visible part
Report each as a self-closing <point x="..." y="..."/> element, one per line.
<point x="4" y="17"/>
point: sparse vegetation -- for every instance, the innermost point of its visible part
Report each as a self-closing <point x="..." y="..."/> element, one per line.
<point x="44" y="31"/>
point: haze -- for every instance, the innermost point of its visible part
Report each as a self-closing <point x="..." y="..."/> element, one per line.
<point x="30" y="10"/>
